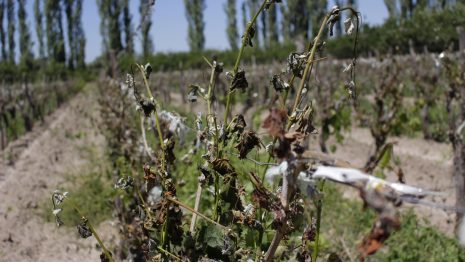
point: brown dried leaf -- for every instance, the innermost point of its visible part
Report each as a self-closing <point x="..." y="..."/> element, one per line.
<point x="248" y="141"/>
<point x="275" y="122"/>
<point x="223" y="166"/>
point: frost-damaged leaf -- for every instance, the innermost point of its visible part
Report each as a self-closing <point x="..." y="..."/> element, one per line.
<point x="124" y="183"/>
<point x="270" y="2"/>
<point x="335" y="16"/>
<point x="147" y="70"/>
<point x="304" y="121"/>
<point x="194" y="92"/>
<point x="57" y="200"/>
<point x="296" y="63"/>
<point x="351" y="89"/>
<point x="147" y="106"/>
<point x="278" y="84"/>
<point x="250" y="36"/>
<point x="275" y="122"/>
<point x="237" y="125"/>
<point x="104" y="258"/>
<point x="349" y="26"/>
<point x="83" y="229"/>
<point x="239" y="81"/>
<point x="223" y="166"/>
<point x="247" y="142"/>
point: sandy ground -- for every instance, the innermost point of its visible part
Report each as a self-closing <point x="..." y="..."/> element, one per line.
<point x="32" y="168"/>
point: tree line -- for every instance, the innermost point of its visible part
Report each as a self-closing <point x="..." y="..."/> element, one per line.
<point x="56" y="20"/>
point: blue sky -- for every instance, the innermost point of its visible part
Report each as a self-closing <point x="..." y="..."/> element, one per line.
<point x="169" y="30"/>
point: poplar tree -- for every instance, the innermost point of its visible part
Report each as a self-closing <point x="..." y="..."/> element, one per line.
<point x="76" y="38"/>
<point x="102" y="8"/>
<point x="79" y="37"/>
<point x="114" y="12"/>
<point x="128" y="33"/>
<point x="253" y="6"/>
<point x="317" y="12"/>
<point x="244" y="16"/>
<point x="391" y="7"/>
<point x="285" y="22"/>
<point x="110" y="27"/>
<point x="273" y="30"/>
<point x="39" y="27"/>
<point x="54" y="31"/>
<point x="69" y="7"/>
<point x="233" y="35"/>
<point x="145" y="25"/>
<point x="194" y="15"/>
<point x="264" y="28"/>
<point x="25" y="44"/>
<point x="11" y="30"/>
<point x="2" y="30"/>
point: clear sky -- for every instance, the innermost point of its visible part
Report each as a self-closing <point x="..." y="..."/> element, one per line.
<point x="169" y="29"/>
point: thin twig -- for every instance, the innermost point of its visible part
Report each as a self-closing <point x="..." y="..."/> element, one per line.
<point x="198" y="213"/>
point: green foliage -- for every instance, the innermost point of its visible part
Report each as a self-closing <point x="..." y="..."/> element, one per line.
<point x="233" y="35"/>
<point x="25" y="44"/>
<point x="194" y="60"/>
<point x="433" y="29"/>
<point x="54" y="31"/>
<point x="92" y="193"/>
<point x="146" y="23"/>
<point x="417" y="241"/>
<point x="345" y="222"/>
<point x="10" y="12"/>
<point x="194" y="15"/>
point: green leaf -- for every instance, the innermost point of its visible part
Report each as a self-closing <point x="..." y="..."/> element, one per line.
<point x="213" y="237"/>
<point x="386" y="156"/>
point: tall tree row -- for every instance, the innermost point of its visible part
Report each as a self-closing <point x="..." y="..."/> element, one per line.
<point x="39" y="22"/>
<point x="10" y="6"/>
<point x="54" y="31"/>
<point x="194" y="14"/>
<point x="25" y="44"/>
<point x="75" y="33"/>
<point x="233" y="35"/>
<point x="110" y="26"/>
<point x="145" y="25"/>
<point x="2" y="30"/>
<point x="273" y="29"/>
<point x="128" y="33"/>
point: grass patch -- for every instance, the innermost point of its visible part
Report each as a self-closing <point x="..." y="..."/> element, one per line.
<point x="92" y="193"/>
<point x="344" y="223"/>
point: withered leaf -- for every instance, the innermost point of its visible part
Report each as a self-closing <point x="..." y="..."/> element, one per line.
<point x="275" y="122"/>
<point x="237" y="125"/>
<point x="169" y="151"/>
<point x="239" y="81"/>
<point x="147" y="107"/>
<point x="247" y="142"/>
<point x="194" y="92"/>
<point x="304" y="121"/>
<point x="83" y="229"/>
<point x="222" y="166"/>
<point x="278" y="84"/>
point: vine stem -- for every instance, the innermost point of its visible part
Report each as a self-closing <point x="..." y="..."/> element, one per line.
<point x="209" y="98"/>
<point x="198" y="213"/>
<point x="285" y="192"/>
<point x="245" y="39"/>
<point x="92" y="229"/>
